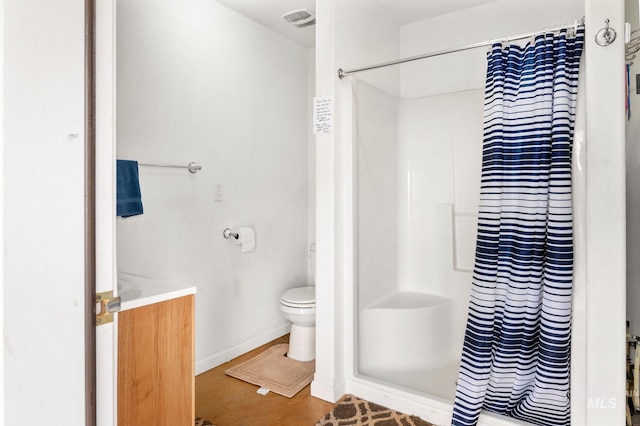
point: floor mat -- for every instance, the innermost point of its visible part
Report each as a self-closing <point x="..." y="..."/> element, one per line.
<point x="351" y="410"/>
<point x="273" y="370"/>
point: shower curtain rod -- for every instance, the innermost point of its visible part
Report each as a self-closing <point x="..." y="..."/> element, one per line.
<point x="343" y="73"/>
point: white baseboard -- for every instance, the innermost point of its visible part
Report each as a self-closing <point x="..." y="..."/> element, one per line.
<point x="219" y="358"/>
<point x="327" y="392"/>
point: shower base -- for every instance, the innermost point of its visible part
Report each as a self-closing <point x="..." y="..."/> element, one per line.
<point x="438" y="381"/>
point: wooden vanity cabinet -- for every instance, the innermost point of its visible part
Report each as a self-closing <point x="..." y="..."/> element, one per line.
<point x="156" y="367"/>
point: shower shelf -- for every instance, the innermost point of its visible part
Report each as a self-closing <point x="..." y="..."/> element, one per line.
<point x="410" y="300"/>
<point x="417" y="327"/>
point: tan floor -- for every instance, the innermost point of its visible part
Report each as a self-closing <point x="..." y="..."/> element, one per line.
<point x="226" y="401"/>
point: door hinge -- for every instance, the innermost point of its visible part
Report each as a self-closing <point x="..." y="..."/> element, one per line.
<point x="107" y="306"/>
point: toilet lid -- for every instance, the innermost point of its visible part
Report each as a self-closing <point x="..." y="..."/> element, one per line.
<point x="299" y="296"/>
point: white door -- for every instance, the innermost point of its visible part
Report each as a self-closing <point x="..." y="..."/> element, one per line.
<point x="43" y="309"/>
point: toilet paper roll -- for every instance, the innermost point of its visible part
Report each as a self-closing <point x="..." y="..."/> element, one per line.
<point x="246" y="238"/>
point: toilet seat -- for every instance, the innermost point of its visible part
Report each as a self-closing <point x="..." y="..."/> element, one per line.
<point x="300" y="297"/>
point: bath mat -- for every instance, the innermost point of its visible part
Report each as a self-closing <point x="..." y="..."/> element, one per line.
<point x="273" y="370"/>
<point x="351" y="410"/>
<point x="203" y="422"/>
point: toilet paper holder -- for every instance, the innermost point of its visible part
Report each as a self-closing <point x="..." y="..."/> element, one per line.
<point x="227" y="233"/>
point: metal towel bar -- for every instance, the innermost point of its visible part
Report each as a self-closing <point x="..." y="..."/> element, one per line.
<point x="193" y="167"/>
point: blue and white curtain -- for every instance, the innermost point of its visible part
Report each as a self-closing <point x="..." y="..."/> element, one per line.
<point x="516" y="355"/>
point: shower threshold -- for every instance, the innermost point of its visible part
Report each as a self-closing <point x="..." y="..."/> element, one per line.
<point x="437" y="381"/>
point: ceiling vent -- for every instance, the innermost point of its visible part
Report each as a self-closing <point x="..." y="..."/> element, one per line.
<point x="300" y="18"/>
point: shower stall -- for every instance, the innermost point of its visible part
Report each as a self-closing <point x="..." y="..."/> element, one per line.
<point x="417" y="187"/>
<point x="408" y="169"/>
<point x="417" y="167"/>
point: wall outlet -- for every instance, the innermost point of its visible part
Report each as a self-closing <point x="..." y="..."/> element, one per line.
<point x="219" y="194"/>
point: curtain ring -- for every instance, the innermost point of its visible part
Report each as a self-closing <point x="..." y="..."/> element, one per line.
<point x="606" y="35"/>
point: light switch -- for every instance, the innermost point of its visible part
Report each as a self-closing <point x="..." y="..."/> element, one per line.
<point x="219" y="194"/>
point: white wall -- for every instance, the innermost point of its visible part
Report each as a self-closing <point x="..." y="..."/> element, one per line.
<point x="311" y="154"/>
<point x="43" y="208"/>
<point x="199" y="82"/>
<point x="633" y="181"/>
<point x="348" y="34"/>
<point x="466" y="70"/>
<point x="604" y="310"/>
<point x="365" y="35"/>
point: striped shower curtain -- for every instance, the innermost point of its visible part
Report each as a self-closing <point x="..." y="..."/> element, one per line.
<point x="516" y="354"/>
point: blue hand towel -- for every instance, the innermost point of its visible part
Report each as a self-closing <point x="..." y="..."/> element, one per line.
<point x="128" y="196"/>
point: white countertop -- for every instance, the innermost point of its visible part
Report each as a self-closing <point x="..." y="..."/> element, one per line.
<point x="136" y="290"/>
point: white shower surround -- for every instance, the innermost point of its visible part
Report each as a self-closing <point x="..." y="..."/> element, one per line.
<point x="597" y="396"/>
<point x="417" y="190"/>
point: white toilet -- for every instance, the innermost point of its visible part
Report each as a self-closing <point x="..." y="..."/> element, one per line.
<point x="299" y="307"/>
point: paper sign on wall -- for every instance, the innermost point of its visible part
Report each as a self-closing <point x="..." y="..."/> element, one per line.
<point x="322" y="115"/>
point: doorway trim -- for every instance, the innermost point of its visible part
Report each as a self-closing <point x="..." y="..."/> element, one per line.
<point x="89" y="215"/>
